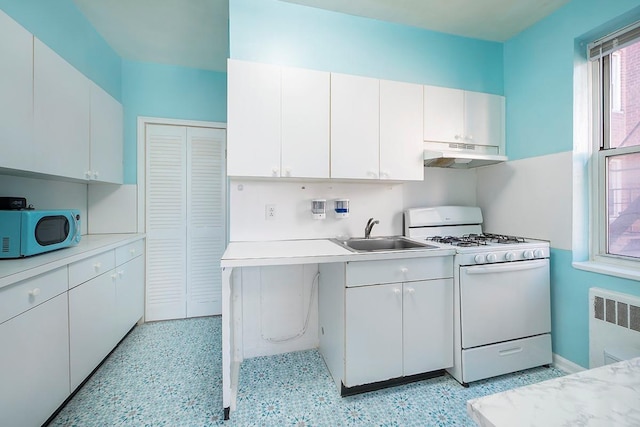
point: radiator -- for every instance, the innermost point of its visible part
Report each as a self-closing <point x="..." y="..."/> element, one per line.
<point x="614" y="321"/>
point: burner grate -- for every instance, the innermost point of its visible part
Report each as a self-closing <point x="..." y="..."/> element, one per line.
<point x="469" y="240"/>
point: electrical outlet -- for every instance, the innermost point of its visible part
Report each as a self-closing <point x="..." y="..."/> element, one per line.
<point x="270" y="211"/>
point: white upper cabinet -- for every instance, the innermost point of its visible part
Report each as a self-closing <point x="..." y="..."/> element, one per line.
<point x="278" y="121"/>
<point x="355" y="127"/>
<point x="61" y="115"/>
<point x="16" y="101"/>
<point x="305" y="123"/>
<point x="106" y="137"/>
<point x="457" y="116"/>
<point x="401" y="142"/>
<point x="253" y="119"/>
<point x="484" y="118"/>
<point x="443" y="114"/>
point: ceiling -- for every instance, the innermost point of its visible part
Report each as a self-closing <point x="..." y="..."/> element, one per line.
<point x="194" y="33"/>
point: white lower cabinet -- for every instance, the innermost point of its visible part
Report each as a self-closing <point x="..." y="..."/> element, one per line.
<point x="91" y="334"/>
<point x="101" y="312"/>
<point x="376" y="331"/>
<point x="34" y="363"/>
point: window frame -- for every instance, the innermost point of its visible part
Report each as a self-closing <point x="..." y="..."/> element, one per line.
<point x="600" y="86"/>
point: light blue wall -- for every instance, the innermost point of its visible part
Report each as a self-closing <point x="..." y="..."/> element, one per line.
<point x="155" y="90"/>
<point x="61" y="26"/>
<point x="538" y="75"/>
<point x="539" y="88"/>
<point x="278" y="32"/>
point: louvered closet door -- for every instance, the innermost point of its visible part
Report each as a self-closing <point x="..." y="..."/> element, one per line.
<point x="205" y="220"/>
<point x="166" y="222"/>
<point x="185" y="221"/>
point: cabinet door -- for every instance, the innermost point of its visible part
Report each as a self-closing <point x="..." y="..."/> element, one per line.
<point x="106" y="137"/>
<point x="253" y="119"/>
<point x="34" y="364"/>
<point x="484" y="119"/>
<point x="16" y="101"/>
<point x="355" y="125"/>
<point x="129" y="295"/>
<point x="305" y="123"/>
<point x="373" y="337"/>
<point x="401" y="143"/>
<point x="61" y="115"/>
<point x="92" y="334"/>
<point x="443" y="114"/>
<point x="427" y="326"/>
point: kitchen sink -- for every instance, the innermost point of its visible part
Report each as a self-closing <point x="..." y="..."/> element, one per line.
<point x="392" y="243"/>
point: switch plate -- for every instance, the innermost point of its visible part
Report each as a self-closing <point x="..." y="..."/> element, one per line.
<point x="270" y="212"/>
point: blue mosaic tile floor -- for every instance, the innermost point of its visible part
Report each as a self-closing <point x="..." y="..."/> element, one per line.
<point x="168" y="374"/>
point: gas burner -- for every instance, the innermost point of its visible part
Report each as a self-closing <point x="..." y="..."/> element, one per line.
<point x="504" y="239"/>
<point x="462" y="241"/>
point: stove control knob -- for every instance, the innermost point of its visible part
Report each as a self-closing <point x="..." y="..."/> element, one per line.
<point x="492" y="258"/>
<point x="509" y="256"/>
<point x="479" y="259"/>
<point x="538" y="253"/>
<point x="527" y="254"/>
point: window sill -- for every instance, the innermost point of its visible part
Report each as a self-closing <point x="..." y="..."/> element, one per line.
<point x="608" y="269"/>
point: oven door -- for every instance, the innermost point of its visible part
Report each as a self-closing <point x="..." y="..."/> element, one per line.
<point x="501" y="302"/>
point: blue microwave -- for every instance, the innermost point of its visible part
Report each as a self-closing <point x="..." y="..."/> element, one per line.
<point x="32" y="232"/>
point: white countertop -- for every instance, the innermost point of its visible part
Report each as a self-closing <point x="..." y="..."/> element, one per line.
<point x="15" y="270"/>
<point x="605" y="396"/>
<point x="311" y="251"/>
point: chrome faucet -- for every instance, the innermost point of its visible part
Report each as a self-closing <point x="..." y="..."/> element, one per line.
<point x="369" y="226"/>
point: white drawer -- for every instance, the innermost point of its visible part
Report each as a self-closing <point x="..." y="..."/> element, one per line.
<point x="128" y="252"/>
<point x="398" y="270"/>
<point x="502" y="358"/>
<point x="21" y="296"/>
<point x="81" y="271"/>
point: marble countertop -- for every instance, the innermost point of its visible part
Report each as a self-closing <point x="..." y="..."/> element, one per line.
<point x="309" y="251"/>
<point x="605" y="396"/>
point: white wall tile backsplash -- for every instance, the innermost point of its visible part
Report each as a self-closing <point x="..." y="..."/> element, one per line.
<point x="382" y="201"/>
<point x="47" y="194"/>
<point x="292" y="201"/>
<point x="544" y="211"/>
<point x="112" y="208"/>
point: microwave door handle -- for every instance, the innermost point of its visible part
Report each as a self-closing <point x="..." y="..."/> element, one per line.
<point x="77" y="227"/>
<point x="516" y="266"/>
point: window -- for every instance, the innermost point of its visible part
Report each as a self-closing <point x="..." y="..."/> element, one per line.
<point x="616" y="78"/>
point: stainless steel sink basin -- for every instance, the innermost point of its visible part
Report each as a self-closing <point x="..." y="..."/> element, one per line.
<point x="392" y="243"/>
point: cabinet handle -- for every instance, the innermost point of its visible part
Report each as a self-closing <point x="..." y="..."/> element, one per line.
<point x="120" y="273"/>
<point x="114" y="276"/>
<point x="470" y="137"/>
<point x="132" y="251"/>
<point x="287" y="172"/>
<point x="34" y="292"/>
<point x="97" y="266"/>
<point x="404" y="270"/>
<point x="457" y="137"/>
<point x="95" y="174"/>
<point x="411" y="290"/>
<point x="274" y="172"/>
<point x="384" y="174"/>
<point x="88" y="174"/>
<point x="372" y="174"/>
<point x="397" y="291"/>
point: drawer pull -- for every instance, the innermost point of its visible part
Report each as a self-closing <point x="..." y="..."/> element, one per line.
<point x="397" y="291"/>
<point x="132" y="251"/>
<point x="510" y="351"/>
<point x="411" y="291"/>
<point x="114" y="276"/>
<point x="404" y="270"/>
<point x="34" y="292"/>
<point x="97" y="266"/>
<point x="120" y="273"/>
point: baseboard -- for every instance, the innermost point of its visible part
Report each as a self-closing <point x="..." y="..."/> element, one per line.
<point x="566" y="365"/>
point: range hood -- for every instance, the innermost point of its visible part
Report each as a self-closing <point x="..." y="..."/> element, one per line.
<point x="461" y="156"/>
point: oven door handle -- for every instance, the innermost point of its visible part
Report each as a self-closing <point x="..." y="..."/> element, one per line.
<point x="513" y="266"/>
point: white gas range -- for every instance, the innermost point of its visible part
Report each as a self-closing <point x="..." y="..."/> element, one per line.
<point x="502" y="314"/>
